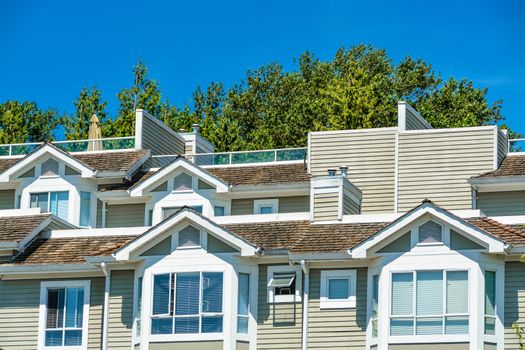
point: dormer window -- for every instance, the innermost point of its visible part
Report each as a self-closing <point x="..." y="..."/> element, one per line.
<point x="182" y="182"/>
<point x="189" y="237"/>
<point x="49" y="168"/>
<point x="56" y="203"/>
<point x="265" y="206"/>
<point x="430" y="232"/>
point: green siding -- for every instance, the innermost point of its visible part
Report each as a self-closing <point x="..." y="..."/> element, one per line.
<point x="460" y="242"/>
<point x="292" y="204"/>
<point x="514" y="301"/>
<point x="400" y="245"/>
<point x="125" y="215"/>
<point x="337" y="328"/>
<point x="501" y="203"/>
<point x="7" y="199"/>
<point x="120" y="310"/>
<point x="194" y="345"/>
<point x="161" y="248"/>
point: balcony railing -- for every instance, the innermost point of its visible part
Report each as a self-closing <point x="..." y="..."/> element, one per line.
<point x="516" y="145"/>
<point x="235" y="158"/>
<point x="111" y="143"/>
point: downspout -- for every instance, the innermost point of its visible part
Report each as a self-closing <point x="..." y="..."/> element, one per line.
<point x="105" y="319"/>
<point x="306" y="273"/>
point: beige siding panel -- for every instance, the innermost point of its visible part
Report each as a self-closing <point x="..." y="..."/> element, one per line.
<point x="514" y="301"/>
<point x="194" y="345"/>
<point x="19" y="312"/>
<point x="326" y="206"/>
<point x="159" y="140"/>
<point x="125" y="215"/>
<point x="337" y="328"/>
<point x="7" y="199"/>
<point x="292" y="204"/>
<point x="242" y="345"/>
<point x="278" y="325"/>
<point x="370" y="157"/>
<point x="434" y="346"/>
<point x="437" y="166"/>
<point x="120" y="310"/>
<point x="502" y="203"/>
<point x="490" y="346"/>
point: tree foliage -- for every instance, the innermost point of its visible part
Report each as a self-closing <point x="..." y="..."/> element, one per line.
<point x="89" y="102"/>
<point x="26" y="122"/>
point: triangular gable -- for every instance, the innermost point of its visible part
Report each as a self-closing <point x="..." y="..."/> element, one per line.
<point x="51" y="222"/>
<point x="50" y="150"/>
<point x="245" y="247"/>
<point x="494" y="244"/>
<point x="179" y="163"/>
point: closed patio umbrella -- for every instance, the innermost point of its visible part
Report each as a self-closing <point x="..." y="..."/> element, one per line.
<point x="94" y="132"/>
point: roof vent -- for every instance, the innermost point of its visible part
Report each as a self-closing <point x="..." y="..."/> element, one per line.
<point x="331" y="172"/>
<point x="344" y="170"/>
<point x="195" y="128"/>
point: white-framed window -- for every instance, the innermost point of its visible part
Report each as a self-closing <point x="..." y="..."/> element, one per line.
<point x="182" y="182"/>
<point x="49" y="168"/>
<point x="430" y="233"/>
<point x="375" y="305"/>
<point x="85" y="209"/>
<point x="338" y="289"/>
<point x="64" y="315"/>
<point x="56" y="203"/>
<point x="429" y="302"/>
<point x="284" y="284"/>
<point x="189" y="237"/>
<point x="187" y="303"/>
<point x="266" y="206"/>
<point x="218" y="210"/>
<point x="490" y="303"/>
<point x="243" y="303"/>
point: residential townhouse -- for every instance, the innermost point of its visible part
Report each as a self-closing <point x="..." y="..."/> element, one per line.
<point x="394" y="238"/>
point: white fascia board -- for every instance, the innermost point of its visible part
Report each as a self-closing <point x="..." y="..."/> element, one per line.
<point x="98" y="232"/>
<point x="494" y="245"/>
<point x="246" y="248"/>
<point x="20" y="212"/>
<point x="137" y="165"/>
<point x="8" y="245"/>
<point x="498" y="183"/>
<point x="510" y="219"/>
<point x="84" y="170"/>
<point x="245" y="219"/>
<point x="139" y="190"/>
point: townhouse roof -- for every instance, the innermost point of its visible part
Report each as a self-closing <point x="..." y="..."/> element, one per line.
<point x="513" y="165"/>
<point x="16" y="228"/>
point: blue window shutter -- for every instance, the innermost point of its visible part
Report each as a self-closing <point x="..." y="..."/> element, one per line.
<point x="402" y="294"/>
<point x="161" y="294"/>
<point x="85" y="208"/>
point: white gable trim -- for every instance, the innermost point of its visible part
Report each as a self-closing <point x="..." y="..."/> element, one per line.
<point x="139" y="190"/>
<point x="85" y="171"/>
<point x="246" y="248"/>
<point x="495" y="245"/>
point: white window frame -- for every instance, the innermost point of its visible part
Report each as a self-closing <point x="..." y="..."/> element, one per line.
<point x="273" y="203"/>
<point x="49" y="198"/>
<point x="423" y="244"/>
<point x="298" y="284"/>
<point x="326" y="276"/>
<point x="202" y="238"/>
<point x="44" y="286"/>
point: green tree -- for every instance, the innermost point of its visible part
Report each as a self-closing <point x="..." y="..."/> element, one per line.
<point x="26" y="122"/>
<point x="89" y="102"/>
<point x="144" y="94"/>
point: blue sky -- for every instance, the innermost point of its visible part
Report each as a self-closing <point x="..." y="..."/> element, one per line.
<point x="49" y="50"/>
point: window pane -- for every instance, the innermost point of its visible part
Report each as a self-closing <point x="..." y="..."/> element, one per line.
<point x="187" y="325"/>
<point x="40" y="200"/>
<point x="338" y="288"/>
<point x="49" y="167"/>
<point x="182" y="182"/>
<point x="402" y="294"/>
<point x="73" y="307"/>
<point x="219" y="211"/>
<point x="456" y="325"/>
<point x="162" y="325"/>
<point x="55" y="308"/>
<point x="161" y="294"/>
<point x="243" y="303"/>
<point x="490" y="325"/>
<point x="425" y="326"/>
<point x="457" y="292"/>
<point x="242" y="325"/>
<point x="429" y="293"/>
<point x="429" y="232"/>
<point x="212" y="292"/>
<point x="402" y="326"/>
<point x="265" y="210"/>
<point x="59" y="203"/>
<point x="85" y="204"/>
<point x="189" y="237"/>
<point x="211" y="324"/>
<point x="375" y="295"/>
<point x="490" y="293"/>
<point x="187" y="292"/>
<point x="73" y="338"/>
<point x="54" y="338"/>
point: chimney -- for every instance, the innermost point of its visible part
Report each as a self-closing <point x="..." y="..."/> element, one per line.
<point x="195" y="128"/>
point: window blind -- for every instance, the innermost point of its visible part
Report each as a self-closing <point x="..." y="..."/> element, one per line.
<point x="490" y="302"/>
<point x="161" y="294"/>
<point x="338" y="288"/>
<point x="243" y="303"/>
<point x="402" y="294"/>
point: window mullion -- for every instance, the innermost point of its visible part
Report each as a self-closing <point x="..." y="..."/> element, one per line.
<point x="201" y="287"/>
<point x="414" y="301"/>
<point x="64" y="318"/>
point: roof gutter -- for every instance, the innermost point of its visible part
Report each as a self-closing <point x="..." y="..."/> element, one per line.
<point x="306" y="272"/>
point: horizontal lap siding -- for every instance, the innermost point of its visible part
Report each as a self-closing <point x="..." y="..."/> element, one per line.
<point x="125" y="215"/>
<point x="7" y="199"/>
<point x="326" y="206"/>
<point x="120" y="310"/>
<point x="285" y="333"/>
<point x="19" y="313"/>
<point x="436" y="166"/>
<point x="514" y="301"/>
<point x="503" y="146"/>
<point x="292" y="204"/>
<point x="159" y="140"/>
<point x="501" y="203"/>
<point x="413" y="122"/>
<point x="337" y="328"/>
<point x="370" y="157"/>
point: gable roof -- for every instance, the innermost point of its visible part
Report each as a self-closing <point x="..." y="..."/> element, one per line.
<point x="16" y="228"/>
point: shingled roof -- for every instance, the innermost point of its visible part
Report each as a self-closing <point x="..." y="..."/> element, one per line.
<point x="513" y="165"/>
<point x="262" y="174"/>
<point x="16" y="228"/>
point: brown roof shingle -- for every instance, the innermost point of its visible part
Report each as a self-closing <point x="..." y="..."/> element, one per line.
<point x="510" y="234"/>
<point x="513" y="165"/>
<point x="262" y="174"/>
<point x="16" y="228"/>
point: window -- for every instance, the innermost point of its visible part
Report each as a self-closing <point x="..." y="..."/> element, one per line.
<point x="64" y="308"/>
<point x="243" y="303"/>
<point x="218" y="211"/>
<point x="429" y="303"/>
<point x="177" y="309"/>
<point x="139" y="307"/>
<point x="56" y="203"/>
<point x="189" y="237"/>
<point x="338" y="289"/>
<point x="430" y="232"/>
<point x="182" y="182"/>
<point x="170" y="211"/>
<point x="490" y="302"/>
<point x="85" y="208"/>
<point x="265" y="206"/>
<point x="375" y="304"/>
<point x="150" y="217"/>
<point x="284" y="283"/>
<point x="49" y="168"/>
